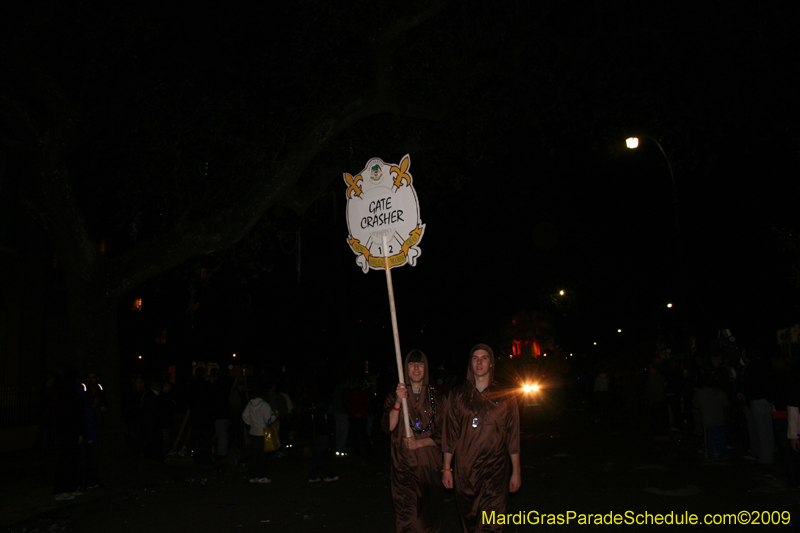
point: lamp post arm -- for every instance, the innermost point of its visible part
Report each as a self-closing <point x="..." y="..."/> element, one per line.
<point x="669" y="167"/>
<point x="679" y="252"/>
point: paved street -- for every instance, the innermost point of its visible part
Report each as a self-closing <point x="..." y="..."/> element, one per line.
<point x="572" y="464"/>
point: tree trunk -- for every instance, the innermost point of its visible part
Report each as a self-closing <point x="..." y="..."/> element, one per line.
<point x="95" y="348"/>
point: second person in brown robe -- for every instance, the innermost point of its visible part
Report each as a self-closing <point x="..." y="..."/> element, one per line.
<point x="481" y="444"/>
<point x="417" y="490"/>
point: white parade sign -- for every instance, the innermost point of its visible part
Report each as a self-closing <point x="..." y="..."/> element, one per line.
<point x="382" y="206"/>
<point x="385" y="229"/>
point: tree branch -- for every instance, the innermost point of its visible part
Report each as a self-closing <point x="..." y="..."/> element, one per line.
<point x="190" y="238"/>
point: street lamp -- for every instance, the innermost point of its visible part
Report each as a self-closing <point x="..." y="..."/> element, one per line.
<point x="633" y="143"/>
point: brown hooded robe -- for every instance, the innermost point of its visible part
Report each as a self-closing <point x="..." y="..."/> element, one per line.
<point x="417" y="487"/>
<point x="481" y="449"/>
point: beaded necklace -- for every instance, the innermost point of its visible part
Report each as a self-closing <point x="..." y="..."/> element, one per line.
<point x="415" y="425"/>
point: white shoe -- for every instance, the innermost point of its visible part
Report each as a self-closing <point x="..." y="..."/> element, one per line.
<point x="264" y="480"/>
<point x="254" y="480"/>
<point x="64" y="496"/>
<point x="334" y="478"/>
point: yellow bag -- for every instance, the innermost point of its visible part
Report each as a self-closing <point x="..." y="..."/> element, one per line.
<point x="271" y="440"/>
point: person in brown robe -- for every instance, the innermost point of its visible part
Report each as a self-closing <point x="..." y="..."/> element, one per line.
<point x="417" y="490"/>
<point x="481" y="444"/>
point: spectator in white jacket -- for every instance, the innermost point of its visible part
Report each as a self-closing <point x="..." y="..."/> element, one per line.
<point x="258" y="414"/>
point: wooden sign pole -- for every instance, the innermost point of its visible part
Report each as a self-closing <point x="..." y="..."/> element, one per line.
<point x="382" y="204"/>
<point x="400" y="373"/>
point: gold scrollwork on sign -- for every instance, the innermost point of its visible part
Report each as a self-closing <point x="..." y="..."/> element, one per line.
<point x="394" y="260"/>
<point x="358" y="247"/>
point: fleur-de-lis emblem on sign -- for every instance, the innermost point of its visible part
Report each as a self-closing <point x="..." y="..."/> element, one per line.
<point x="352" y="184"/>
<point x="402" y="172"/>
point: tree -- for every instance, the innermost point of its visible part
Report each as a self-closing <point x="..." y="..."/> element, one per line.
<point x="169" y="137"/>
<point x="169" y="132"/>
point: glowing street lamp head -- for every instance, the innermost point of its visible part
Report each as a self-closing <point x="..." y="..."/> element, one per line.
<point x="632" y="142"/>
<point x="561" y="293"/>
<point x="669" y="305"/>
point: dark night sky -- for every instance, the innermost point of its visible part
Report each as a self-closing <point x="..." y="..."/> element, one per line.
<point x="591" y="218"/>
<point x="601" y="227"/>
<point x="524" y="182"/>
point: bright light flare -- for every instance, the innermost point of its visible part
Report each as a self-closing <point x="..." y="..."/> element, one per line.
<point x="530" y="388"/>
<point x="632" y="142"/>
<point x="669" y="306"/>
